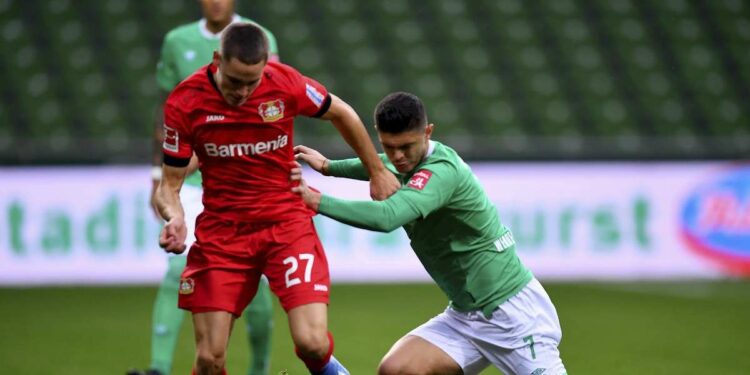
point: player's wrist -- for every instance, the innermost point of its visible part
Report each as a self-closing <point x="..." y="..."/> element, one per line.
<point x="324" y="169"/>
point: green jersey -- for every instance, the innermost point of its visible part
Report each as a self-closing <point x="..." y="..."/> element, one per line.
<point x="186" y="49"/>
<point x="453" y="227"/>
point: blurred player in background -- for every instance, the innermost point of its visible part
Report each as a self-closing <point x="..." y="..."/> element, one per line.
<point x="499" y="313"/>
<point x="185" y="50"/>
<point x="237" y="116"/>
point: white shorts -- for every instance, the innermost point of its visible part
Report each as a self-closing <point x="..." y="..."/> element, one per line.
<point x="521" y="337"/>
<point x="191" y="198"/>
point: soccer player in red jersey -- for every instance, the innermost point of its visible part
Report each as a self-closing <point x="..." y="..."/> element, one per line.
<point x="237" y="116"/>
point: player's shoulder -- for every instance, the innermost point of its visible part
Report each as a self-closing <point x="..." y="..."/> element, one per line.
<point x="442" y="153"/>
<point x="182" y="32"/>
<point x="282" y="74"/>
<point x="443" y="159"/>
<point x="190" y="89"/>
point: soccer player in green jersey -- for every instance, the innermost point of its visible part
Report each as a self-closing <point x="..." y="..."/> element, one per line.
<point x="499" y="314"/>
<point x="186" y="49"/>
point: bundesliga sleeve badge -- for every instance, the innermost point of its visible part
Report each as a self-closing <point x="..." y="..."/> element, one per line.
<point x="420" y="179"/>
<point x="171" y="139"/>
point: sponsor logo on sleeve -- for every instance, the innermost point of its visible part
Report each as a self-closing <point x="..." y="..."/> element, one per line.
<point x="171" y="139"/>
<point x="716" y="220"/>
<point x="314" y="95"/>
<point x="420" y="179"/>
<point x="271" y="111"/>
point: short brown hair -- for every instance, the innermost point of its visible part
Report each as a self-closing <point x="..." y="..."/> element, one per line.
<point x="245" y="42"/>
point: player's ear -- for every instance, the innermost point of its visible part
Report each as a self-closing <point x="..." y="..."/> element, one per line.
<point x="428" y="130"/>
<point x="217" y="58"/>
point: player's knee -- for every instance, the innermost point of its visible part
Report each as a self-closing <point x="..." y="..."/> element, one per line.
<point x="211" y="359"/>
<point x="312" y="344"/>
<point x="394" y="366"/>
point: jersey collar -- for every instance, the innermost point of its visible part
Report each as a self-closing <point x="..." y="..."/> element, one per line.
<point x="208" y="34"/>
<point x="430" y="149"/>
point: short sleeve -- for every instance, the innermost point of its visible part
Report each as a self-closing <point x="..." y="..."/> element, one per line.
<point x="313" y="99"/>
<point x="166" y="69"/>
<point x="177" y="145"/>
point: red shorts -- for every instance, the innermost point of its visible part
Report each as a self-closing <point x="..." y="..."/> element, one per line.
<point x="226" y="261"/>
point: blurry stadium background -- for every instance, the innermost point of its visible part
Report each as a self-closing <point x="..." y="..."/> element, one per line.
<point x="642" y="235"/>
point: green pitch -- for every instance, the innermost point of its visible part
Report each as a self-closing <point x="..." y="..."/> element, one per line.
<point x="641" y="328"/>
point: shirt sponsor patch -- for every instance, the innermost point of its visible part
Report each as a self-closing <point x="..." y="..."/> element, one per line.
<point x="271" y="111"/>
<point x="315" y="96"/>
<point x="171" y="139"/>
<point x="420" y="179"/>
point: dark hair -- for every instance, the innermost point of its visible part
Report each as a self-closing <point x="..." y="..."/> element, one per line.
<point x="400" y="112"/>
<point x="245" y="42"/>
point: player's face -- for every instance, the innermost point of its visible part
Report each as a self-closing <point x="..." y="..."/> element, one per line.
<point x="237" y="80"/>
<point x="406" y="150"/>
<point x="217" y="11"/>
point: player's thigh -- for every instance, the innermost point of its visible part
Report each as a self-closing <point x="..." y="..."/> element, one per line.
<point x="524" y="334"/>
<point x="212" y="330"/>
<point x="220" y="273"/>
<point x="308" y="325"/>
<point x="415" y="355"/>
<point x="446" y="348"/>
<point x="296" y="265"/>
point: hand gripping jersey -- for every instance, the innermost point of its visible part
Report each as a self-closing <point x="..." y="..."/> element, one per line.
<point x="245" y="152"/>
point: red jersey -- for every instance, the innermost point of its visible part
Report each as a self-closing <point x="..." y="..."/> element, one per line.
<point x="245" y="152"/>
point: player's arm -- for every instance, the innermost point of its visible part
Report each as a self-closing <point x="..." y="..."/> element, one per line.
<point x="167" y="199"/>
<point x="177" y="153"/>
<point x="411" y="202"/>
<point x="346" y="168"/>
<point x="156" y="153"/>
<point x="380" y="216"/>
<point x="382" y="182"/>
<point x="166" y="79"/>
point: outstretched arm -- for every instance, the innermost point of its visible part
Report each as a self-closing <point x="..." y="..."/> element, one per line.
<point x="380" y="216"/>
<point x="347" y="168"/>
<point x="426" y="192"/>
<point x="382" y="182"/>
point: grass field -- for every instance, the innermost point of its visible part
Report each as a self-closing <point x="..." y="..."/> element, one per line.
<point x="635" y="328"/>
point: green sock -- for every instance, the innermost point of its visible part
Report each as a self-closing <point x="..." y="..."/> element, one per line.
<point x="259" y="319"/>
<point x="167" y="317"/>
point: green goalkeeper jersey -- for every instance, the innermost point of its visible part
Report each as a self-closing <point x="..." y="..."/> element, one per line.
<point x="453" y="227"/>
<point x="186" y="49"/>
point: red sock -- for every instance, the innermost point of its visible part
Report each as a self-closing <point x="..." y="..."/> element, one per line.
<point x="316" y="365"/>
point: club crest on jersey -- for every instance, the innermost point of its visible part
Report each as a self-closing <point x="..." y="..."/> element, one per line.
<point x="187" y="286"/>
<point x="171" y="139"/>
<point x="271" y="111"/>
<point x="420" y="179"/>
